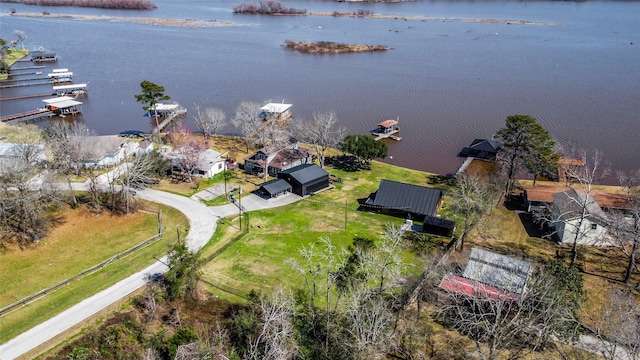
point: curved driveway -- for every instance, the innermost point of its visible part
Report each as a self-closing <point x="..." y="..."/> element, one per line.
<point x="202" y="222"/>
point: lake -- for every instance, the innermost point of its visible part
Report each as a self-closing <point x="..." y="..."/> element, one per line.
<point x="447" y="81"/>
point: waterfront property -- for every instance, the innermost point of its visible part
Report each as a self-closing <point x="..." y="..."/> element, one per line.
<point x="276" y="111"/>
<point x="539" y="198"/>
<point x="387" y="129"/>
<point x="43" y="57"/>
<point x="306" y="179"/>
<point x="283" y="159"/>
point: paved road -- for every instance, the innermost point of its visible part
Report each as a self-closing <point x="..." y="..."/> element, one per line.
<point x="202" y="224"/>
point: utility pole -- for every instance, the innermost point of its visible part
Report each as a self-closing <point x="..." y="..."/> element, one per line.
<point x="240" y="205"/>
<point x="345" y="214"/>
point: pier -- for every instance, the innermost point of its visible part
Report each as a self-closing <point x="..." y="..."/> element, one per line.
<point x="27" y="116"/>
<point x="171" y="111"/>
<point x="58" y="106"/>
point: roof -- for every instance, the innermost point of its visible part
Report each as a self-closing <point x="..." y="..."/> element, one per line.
<point x="305" y="173"/>
<point x="275" y="186"/>
<point x="165" y="107"/>
<point x="208" y="158"/>
<point x="276" y="107"/>
<point x="485" y="145"/>
<point x="408" y="197"/>
<point x="42" y="54"/>
<point x="570" y="204"/>
<point x="72" y="86"/>
<point x="605" y="199"/>
<point x="60" y="74"/>
<point x="498" y="270"/>
<point x="388" y="123"/>
<point x="462" y="286"/>
<point x="62" y="102"/>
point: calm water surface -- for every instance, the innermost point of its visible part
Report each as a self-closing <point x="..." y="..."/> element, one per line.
<point x="447" y="81"/>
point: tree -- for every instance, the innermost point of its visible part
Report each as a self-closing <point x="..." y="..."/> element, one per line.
<point x="137" y="174"/>
<point x="525" y="142"/>
<point x="247" y="119"/>
<point x="471" y="198"/>
<point x="364" y="148"/>
<point x="184" y="271"/>
<point x="322" y="133"/>
<point x="21" y="37"/>
<point x="275" y="339"/>
<point x="151" y="95"/>
<point x="510" y="325"/>
<point x="625" y="225"/>
<point x="187" y="151"/>
<point x="209" y="121"/>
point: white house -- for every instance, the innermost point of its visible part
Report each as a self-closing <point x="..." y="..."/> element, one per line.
<point x="210" y="162"/>
<point x="566" y="213"/>
<point x="106" y="151"/>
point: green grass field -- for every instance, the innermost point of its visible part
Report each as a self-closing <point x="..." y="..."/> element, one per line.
<point x="82" y="246"/>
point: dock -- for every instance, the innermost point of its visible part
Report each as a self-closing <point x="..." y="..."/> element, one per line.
<point x="27" y="116"/>
<point x="387" y="129"/>
<point x="59" y="106"/>
<point x="171" y="116"/>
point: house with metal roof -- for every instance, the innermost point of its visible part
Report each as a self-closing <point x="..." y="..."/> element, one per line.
<point x="567" y="218"/>
<point x="483" y="149"/>
<point x="306" y="179"/>
<point x="404" y="200"/>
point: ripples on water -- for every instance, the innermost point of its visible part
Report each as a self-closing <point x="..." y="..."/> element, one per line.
<point x="447" y="82"/>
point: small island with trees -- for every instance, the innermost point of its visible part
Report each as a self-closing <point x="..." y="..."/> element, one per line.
<point x="329" y="47"/>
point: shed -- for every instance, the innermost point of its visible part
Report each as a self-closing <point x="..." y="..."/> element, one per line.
<point x="405" y="200"/>
<point x="438" y="226"/>
<point x="274" y="188"/>
<point x="306" y="179"/>
<point x="500" y="271"/>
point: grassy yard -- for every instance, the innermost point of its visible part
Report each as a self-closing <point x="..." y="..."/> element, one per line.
<point x="82" y="240"/>
<point x="13" y="56"/>
<point x="256" y="260"/>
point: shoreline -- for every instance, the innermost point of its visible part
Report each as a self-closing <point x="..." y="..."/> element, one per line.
<point x="220" y="23"/>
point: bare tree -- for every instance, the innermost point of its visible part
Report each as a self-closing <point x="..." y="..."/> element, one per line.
<point x="321" y="132"/>
<point x="617" y="326"/>
<point x="209" y="121"/>
<point x="508" y="324"/>
<point x="275" y="339"/>
<point x="624" y="229"/>
<point x="21" y="35"/>
<point x="274" y="137"/>
<point x="471" y="199"/>
<point x="186" y="154"/>
<point x="248" y="121"/>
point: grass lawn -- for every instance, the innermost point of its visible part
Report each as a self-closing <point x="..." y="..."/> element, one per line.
<point x="256" y="260"/>
<point x="79" y="242"/>
<point x="10" y="59"/>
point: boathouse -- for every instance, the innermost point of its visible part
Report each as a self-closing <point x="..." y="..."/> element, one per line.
<point x="482" y="149"/>
<point x="63" y="105"/>
<point x="387" y="129"/>
<point x="306" y="179"/>
<point x="162" y="109"/>
<point x="60" y="77"/>
<point x="71" y="89"/>
<point x="43" y="57"/>
<point x="275" y="111"/>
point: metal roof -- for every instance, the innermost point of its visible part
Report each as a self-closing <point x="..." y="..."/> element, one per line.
<point x="164" y="107"/>
<point x="276" y="186"/>
<point x="60" y="74"/>
<point x="388" y="123"/>
<point x="407" y="197"/>
<point x="305" y="173"/>
<point x="498" y="270"/>
<point x="571" y="202"/>
<point x="485" y="145"/>
<point x="462" y="286"/>
<point x="72" y="86"/>
<point x="276" y="107"/>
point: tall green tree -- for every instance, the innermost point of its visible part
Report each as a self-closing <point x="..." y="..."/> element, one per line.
<point x="151" y="95"/>
<point x="525" y="142"/>
<point x="364" y="148"/>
